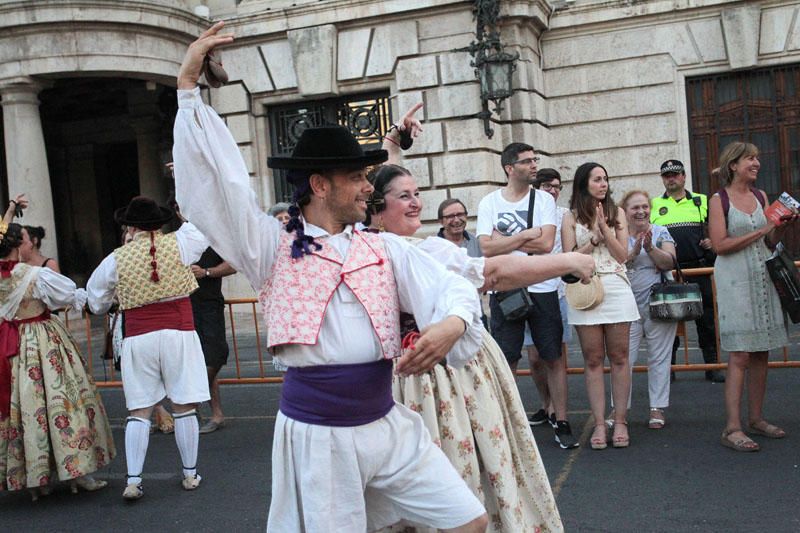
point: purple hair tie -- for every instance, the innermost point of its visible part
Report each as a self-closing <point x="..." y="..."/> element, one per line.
<point x="302" y="243"/>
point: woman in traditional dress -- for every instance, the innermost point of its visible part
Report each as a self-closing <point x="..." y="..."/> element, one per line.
<point x="51" y="416"/>
<point x="475" y="413"/>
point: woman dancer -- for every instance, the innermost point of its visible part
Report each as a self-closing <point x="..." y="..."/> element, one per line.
<point x="51" y="416"/>
<point x="475" y="413"/>
<point x="597" y="227"/>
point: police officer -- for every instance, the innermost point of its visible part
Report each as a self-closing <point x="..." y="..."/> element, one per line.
<point x="685" y="214"/>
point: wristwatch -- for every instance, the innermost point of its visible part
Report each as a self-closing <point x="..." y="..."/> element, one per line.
<point x="208" y="274"/>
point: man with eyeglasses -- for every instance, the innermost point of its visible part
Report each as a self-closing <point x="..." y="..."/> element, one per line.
<point x="503" y="229"/>
<point x="453" y="218"/>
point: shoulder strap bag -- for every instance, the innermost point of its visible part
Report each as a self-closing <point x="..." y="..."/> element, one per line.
<point x="516" y="304"/>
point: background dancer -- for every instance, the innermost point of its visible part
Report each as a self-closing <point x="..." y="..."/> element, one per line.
<point x="51" y="416"/>
<point x="161" y="353"/>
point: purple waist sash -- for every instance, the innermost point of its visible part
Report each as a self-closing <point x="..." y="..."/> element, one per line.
<point x="338" y="395"/>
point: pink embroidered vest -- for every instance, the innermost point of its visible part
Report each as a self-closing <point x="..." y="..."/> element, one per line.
<point x="297" y="292"/>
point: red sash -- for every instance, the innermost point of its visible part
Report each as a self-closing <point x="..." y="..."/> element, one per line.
<point x="9" y="347"/>
<point x="172" y="314"/>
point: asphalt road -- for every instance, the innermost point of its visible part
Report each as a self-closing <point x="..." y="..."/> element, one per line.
<point x="676" y="479"/>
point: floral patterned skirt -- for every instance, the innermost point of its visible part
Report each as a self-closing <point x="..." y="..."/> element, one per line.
<point x="57" y="421"/>
<point x="476" y="416"/>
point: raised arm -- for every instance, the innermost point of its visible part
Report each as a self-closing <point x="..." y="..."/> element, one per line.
<point x="212" y="184"/>
<point x="408" y="122"/>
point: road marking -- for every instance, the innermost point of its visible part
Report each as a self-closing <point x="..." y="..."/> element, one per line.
<point x="573" y="456"/>
<point x="147" y="476"/>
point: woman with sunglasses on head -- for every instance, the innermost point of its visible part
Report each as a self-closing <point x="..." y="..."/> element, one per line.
<point x="751" y="320"/>
<point x="596" y="226"/>
<point x="475" y="413"/>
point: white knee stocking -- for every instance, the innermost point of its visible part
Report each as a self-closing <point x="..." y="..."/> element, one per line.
<point x="187" y="436"/>
<point x="137" y="437"/>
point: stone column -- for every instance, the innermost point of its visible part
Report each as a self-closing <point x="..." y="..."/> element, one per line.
<point x="26" y="156"/>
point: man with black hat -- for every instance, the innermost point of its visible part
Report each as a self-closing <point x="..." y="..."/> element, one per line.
<point x="161" y="353"/>
<point x="685" y="215"/>
<point x="345" y="457"/>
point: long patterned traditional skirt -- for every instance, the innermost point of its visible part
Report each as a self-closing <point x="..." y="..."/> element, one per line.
<point x="476" y="416"/>
<point x="57" y="421"/>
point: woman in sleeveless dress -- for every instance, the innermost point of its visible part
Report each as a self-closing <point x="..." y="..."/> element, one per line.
<point x="51" y="417"/>
<point x="597" y="227"/>
<point x="750" y="316"/>
<point x="475" y="413"/>
<point x="31" y="252"/>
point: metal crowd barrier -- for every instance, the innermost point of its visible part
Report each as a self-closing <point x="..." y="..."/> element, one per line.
<point x="249" y="364"/>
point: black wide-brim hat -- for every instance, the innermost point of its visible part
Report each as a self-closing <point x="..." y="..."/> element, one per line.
<point x="325" y="148"/>
<point x="143" y="213"/>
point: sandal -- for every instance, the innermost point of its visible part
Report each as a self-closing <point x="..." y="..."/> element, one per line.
<point x="657" y="420"/>
<point x="744" y="444"/>
<point x="596" y="442"/>
<point x="765" y="429"/>
<point x="620" y="441"/>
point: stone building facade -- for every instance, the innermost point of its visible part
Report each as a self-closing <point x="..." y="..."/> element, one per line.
<point x="619" y="82"/>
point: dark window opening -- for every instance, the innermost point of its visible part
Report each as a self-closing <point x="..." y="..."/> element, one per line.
<point x="367" y="116"/>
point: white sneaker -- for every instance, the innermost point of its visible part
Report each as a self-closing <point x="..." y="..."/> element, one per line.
<point x="133" y="491"/>
<point x="191" y="482"/>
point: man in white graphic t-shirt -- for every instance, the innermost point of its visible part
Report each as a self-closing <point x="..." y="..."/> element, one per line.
<point x="503" y="229"/>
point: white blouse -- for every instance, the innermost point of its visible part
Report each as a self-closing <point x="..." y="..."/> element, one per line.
<point x="212" y="186"/>
<point x="55" y="290"/>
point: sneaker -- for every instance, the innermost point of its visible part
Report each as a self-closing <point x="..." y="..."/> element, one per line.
<point x="133" y="491"/>
<point x="538" y="418"/>
<point x="552" y="419"/>
<point x="564" y="436"/>
<point x="191" y="482"/>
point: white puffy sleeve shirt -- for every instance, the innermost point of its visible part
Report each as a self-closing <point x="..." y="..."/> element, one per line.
<point x="212" y="186"/>
<point x="58" y="291"/>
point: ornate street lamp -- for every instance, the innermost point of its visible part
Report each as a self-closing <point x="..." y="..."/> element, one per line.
<point x="494" y="67"/>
